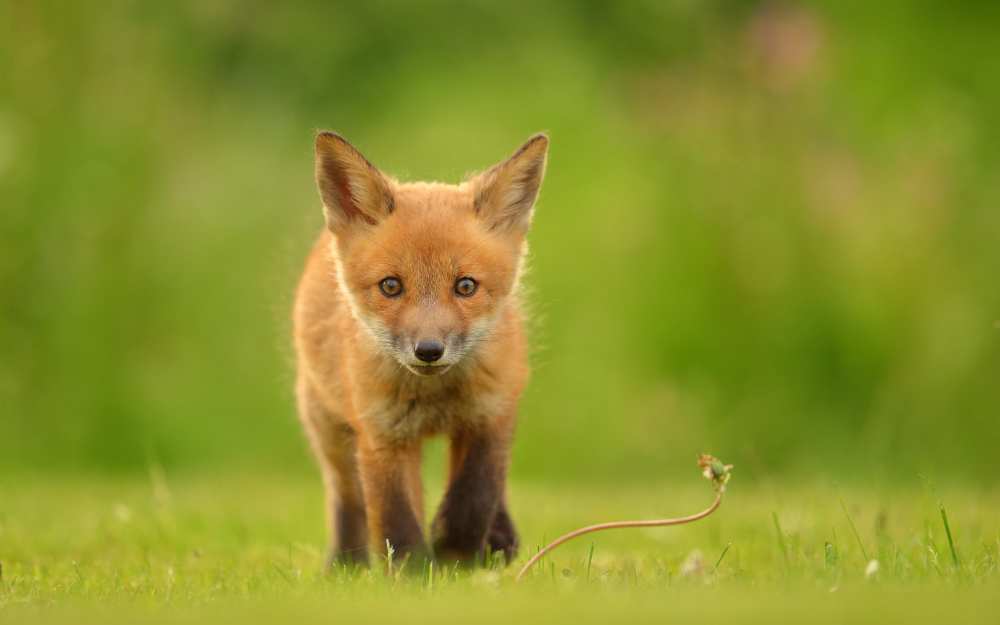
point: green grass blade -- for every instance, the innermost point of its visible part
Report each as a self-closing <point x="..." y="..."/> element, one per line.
<point x="951" y="541"/>
<point x="854" y="529"/>
<point x="721" y="556"/>
<point x="590" y="560"/>
<point x="781" y="539"/>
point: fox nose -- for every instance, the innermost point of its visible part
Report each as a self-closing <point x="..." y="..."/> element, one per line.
<point x="429" y="351"/>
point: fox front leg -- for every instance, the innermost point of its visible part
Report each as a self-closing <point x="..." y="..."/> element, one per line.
<point x="477" y="474"/>
<point x="392" y="502"/>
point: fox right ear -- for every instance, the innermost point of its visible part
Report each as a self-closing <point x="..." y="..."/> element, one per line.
<point x="352" y="189"/>
<point x="505" y="194"/>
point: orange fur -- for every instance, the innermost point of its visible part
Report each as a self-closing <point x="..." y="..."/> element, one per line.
<point x="365" y="401"/>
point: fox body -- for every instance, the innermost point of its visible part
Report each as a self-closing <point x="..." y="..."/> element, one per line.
<point x="408" y="324"/>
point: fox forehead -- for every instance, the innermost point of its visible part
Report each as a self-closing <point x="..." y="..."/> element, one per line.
<point x="432" y="234"/>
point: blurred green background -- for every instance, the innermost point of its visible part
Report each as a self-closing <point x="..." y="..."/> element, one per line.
<point x="769" y="231"/>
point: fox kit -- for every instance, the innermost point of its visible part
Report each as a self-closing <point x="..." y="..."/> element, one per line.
<point x="408" y="324"/>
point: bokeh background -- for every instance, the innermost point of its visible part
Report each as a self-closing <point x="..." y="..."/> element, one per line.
<point x="770" y="231"/>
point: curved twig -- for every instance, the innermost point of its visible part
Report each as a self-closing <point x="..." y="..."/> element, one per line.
<point x="712" y="468"/>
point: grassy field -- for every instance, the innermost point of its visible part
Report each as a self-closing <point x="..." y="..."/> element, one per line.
<point x="767" y="230"/>
<point x="201" y="543"/>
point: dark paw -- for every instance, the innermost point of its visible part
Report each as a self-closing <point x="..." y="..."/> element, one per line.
<point x="457" y="538"/>
<point x="346" y="558"/>
<point x="469" y="548"/>
<point x="451" y="549"/>
<point x="503" y="537"/>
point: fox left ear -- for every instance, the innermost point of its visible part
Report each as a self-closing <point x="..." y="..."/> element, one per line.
<point x="505" y="194"/>
<point x="353" y="190"/>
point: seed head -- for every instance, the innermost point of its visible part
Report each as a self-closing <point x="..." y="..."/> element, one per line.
<point x="715" y="471"/>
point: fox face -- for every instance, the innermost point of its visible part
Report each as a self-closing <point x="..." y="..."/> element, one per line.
<point x="427" y="267"/>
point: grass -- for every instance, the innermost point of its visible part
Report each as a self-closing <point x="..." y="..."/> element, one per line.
<point x="201" y="543"/>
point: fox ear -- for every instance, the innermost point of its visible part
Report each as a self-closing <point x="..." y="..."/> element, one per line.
<point x="505" y="194"/>
<point x="352" y="189"/>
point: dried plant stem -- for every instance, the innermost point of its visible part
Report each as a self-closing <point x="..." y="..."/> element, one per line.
<point x="618" y="524"/>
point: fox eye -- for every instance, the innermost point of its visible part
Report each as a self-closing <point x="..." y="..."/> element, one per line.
<point x="466" y="287"/>
<point x="390" y="287"/>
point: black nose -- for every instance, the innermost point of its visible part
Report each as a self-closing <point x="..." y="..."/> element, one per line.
<point x="429" y="351"/>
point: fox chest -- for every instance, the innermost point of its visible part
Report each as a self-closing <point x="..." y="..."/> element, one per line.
<point x="415" y="414"/>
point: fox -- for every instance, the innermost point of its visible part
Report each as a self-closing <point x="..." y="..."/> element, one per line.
<point x="408" y="323"/>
